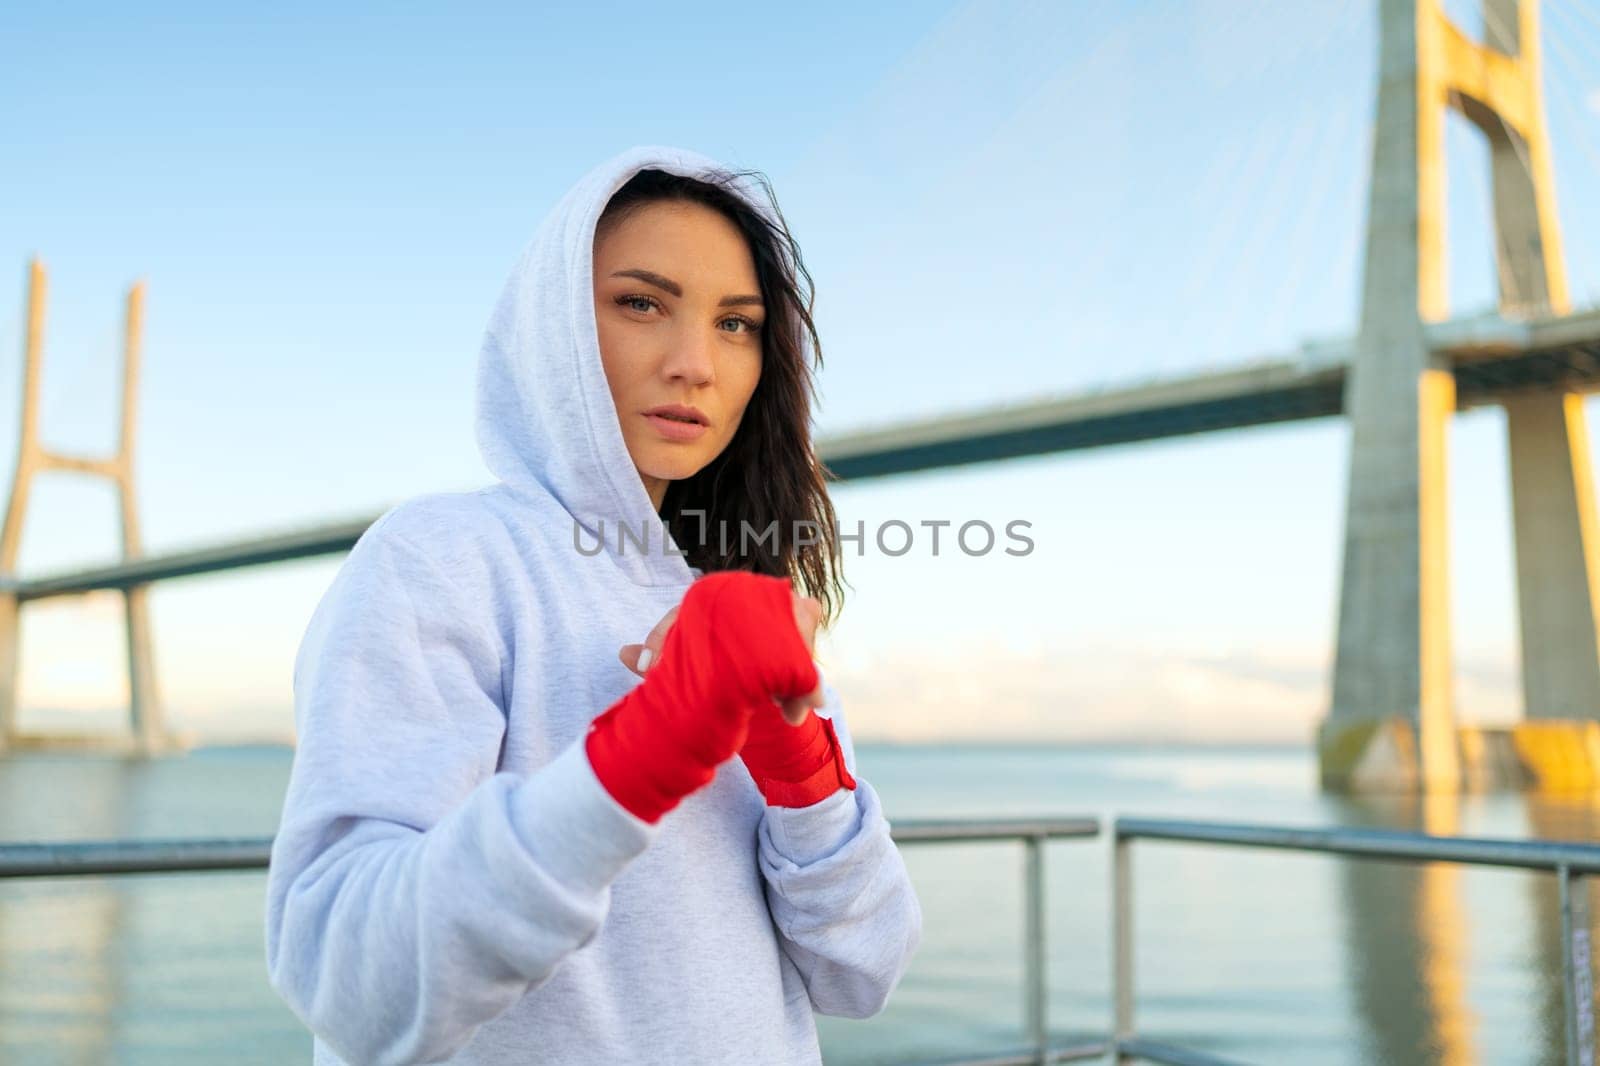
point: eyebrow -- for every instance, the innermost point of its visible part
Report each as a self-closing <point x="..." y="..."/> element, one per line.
<point x="652" y="278"/>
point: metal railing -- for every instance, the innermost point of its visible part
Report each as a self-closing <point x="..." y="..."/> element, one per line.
<point x="1033" y="833"/>
<point x="1571" y="863"/>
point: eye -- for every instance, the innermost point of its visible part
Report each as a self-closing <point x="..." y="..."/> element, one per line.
<point x="750" y="324"/>
<point x="638" y="301"/>
<point x="632" y="300"/>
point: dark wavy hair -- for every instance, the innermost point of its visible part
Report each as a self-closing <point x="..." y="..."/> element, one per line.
<point x="769" y="474"/>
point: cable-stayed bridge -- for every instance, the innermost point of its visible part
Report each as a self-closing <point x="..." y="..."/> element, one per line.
<point x="1406" y="369"/>
<point x="1493" y="358"/>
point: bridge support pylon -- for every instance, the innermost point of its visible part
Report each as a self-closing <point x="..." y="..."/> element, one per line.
<point x="146" y="730"/>
<point x="1392" y="723"/>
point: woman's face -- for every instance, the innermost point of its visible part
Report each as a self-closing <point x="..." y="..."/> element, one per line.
<point x="679" y="313"/>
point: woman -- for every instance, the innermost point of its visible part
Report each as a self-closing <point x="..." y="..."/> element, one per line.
<point x="499" y="844"/>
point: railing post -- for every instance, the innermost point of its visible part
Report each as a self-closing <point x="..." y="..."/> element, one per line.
<point x="1121" y="943"/>
<point x="1577" y="980"/>
<point x="1033" y="946"/>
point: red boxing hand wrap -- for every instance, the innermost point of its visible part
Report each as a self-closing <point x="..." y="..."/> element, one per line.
<point x="794" y="765"/>
<point x="733" y="646"/>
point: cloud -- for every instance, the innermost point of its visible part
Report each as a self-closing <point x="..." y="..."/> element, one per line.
<point x="1593" y="100"/>
<point x="225" y="677"/>
<point x="1013" y="685"/>
<point x="995" y="693"/>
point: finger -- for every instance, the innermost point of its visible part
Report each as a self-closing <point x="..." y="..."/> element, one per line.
<point x="658" y="636"/>
<point x="815" y="697"/>
<point x="795" y="709"/>
<point x="807" y="612"/>
<point x="632" y="655"/>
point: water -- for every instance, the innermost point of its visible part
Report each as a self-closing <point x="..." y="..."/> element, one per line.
<point x="1268" y="957"/>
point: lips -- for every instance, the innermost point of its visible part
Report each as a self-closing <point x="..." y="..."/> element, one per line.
<point x="675" y="428"/>
<point x="678" y="412"/>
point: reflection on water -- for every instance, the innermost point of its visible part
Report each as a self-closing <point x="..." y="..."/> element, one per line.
<point x="139" y="969"/>
<point x="1262" y="956"/>
<point x="1411" y="940"/>
<point x="1433" y="945"/>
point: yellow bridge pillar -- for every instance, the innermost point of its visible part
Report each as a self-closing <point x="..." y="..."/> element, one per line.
<point x="1392" y="722"/>
<point x="32" y="459"/>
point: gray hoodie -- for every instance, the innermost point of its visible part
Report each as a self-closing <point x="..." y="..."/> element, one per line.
<point x="450" y="882"/>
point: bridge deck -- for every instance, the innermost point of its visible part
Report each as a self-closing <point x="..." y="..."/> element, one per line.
<point x="1492" y="357"/>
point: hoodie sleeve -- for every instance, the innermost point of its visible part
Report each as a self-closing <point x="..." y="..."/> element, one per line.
<point x="415" y="892"/>
<point x="840" y="896"/>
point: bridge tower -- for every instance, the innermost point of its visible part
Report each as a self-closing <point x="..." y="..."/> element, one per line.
<point x="33" y="458"/>
<point x="1392" y="723"/>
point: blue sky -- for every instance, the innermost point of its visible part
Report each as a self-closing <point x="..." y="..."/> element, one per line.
<point x="997" y="201"/>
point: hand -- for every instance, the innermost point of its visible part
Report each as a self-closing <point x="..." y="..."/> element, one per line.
<point x="794" y="757"/>
<point x="729" y="653"/>
<point x="807" y="613"/>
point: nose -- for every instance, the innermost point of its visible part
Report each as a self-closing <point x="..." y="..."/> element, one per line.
<point x="691" y="359"/>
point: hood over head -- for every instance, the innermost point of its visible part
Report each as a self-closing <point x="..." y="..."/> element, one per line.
<point x="546" y="423"/>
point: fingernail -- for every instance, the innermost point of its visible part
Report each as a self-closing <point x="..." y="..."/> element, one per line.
<point x="644" y="659"/>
